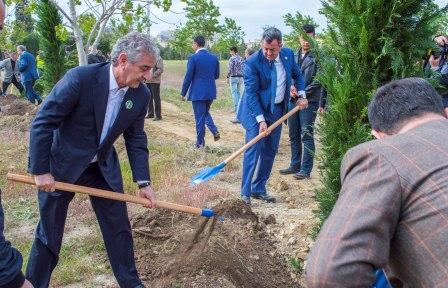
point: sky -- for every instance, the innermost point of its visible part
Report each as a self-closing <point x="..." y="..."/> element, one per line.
<point x="251" y="15"/>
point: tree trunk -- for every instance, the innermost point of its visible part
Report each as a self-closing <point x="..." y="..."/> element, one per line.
<point x="82" y="57"/>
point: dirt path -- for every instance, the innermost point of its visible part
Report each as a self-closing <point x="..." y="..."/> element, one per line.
<point x="293" y="212"/>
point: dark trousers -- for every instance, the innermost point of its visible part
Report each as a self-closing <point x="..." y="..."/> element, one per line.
<point x="203" y="118"/>
<point x="31" y="95"/>
<point x="154" y="100"/>
<point x="301" y="131"/>
<point x="114" y="223"/>
<point x="259" y="158"/>
<point x="15" y="83"/>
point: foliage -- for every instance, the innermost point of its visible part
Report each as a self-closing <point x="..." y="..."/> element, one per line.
<point x="31" y="41"/>
<point x="52" y="47"/>
<point x="372" y="42"/>
<point x="231" y="35"/>
<point x="296" y="22"/>
<point x="202" y="19"/>
<point x="23" y="16"/>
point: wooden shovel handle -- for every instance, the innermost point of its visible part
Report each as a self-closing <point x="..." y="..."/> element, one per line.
<point x="27" y="179"/>
<point x="262" y="135"/>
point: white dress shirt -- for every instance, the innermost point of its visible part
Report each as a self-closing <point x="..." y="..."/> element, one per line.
<point x="114" y="100"/>
<point x="202" y="48"/>
<point x="281" y="85"/>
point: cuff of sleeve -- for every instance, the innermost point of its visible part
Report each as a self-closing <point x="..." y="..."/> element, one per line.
<point x="302" y="93"/>
<point x="260" y="118"/>
<point x="16" y="282"/>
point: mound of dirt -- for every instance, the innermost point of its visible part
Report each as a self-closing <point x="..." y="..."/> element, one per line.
<point x="13" y="105"/>
<point x="178" y="250"/>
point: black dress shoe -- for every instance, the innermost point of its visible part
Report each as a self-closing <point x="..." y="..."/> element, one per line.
<point x="157" y="118"/>
<point x="301" y="176"/>
<point x="265" y="197"/>
<point x="245" y="200"/>
<point x="149" y="116"/>
<point x="217" y="136"/>
<point x="288" y="171"/>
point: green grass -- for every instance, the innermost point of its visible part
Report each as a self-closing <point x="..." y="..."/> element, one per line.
<point x="296" y="264"/>
<point x="174" y="74"/>
<point x="19" y="211"/>
<point x="82" y="258"/>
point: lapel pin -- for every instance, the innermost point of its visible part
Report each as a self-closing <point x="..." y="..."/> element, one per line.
<point x="129" y="104"/>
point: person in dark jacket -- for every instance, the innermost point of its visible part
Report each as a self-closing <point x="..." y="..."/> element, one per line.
<point x="11" y="260"/>
<point x="301" y="124"/>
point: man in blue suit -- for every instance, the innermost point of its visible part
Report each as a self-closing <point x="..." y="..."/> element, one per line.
<point x="267" y="80"/>
<point x="202" y="71"/>
<point x="71" y="140"/>
<point x="28" y="74"/>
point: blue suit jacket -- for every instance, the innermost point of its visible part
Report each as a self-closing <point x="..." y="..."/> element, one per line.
<point x="27" y="67"/>
<point x="202" y="71"/>
<point x="65" y="134"/>
<point x="256" y="99"/>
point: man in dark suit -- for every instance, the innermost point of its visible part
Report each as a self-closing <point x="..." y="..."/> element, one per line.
<point x="301" y="125"/>
<point x="71" y="140"/>
<point x="202" y="71"/>
<point x="12" y="74"/>
<point x="267" y="80"/>
<point x="28" y="73"/>
<point x="392" y="211"/>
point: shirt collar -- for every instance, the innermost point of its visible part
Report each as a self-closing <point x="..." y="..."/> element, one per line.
<point x="202" y="48"/>
<point x="113" y="85"/>
<point x="277" y="60"/>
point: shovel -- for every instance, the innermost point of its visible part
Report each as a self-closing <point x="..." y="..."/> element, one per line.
<point x="209" y="172"/>
<point x="205" y="212"/>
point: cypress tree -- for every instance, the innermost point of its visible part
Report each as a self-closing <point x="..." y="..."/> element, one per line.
<point x="371" y="42"/>
<point x="51" y="47"/>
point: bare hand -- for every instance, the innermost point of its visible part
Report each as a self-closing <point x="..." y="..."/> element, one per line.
<point x="441" y="40"/>
<point x="434" y="62"/>
<point x="45" y="182"/>
<point x="446" y="112"/>
<point x="321" y="110"/>
<point x="27" y="284"/>
<point x="264" y="128"/>
<point x="293" y="92"/>
<point x="148" y="193"/>
<point x="302" y="103"/>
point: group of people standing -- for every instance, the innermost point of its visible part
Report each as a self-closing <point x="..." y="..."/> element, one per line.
<point x="392" y="209"/>
<point x="275" y="80"/>
<point x="20" y="69"/>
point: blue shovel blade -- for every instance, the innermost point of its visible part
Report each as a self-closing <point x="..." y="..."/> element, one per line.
<point x="381" y="280"/>
<point x="207" y="173"/>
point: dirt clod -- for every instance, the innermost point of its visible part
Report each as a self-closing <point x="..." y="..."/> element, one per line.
<point x="200" y="252"/>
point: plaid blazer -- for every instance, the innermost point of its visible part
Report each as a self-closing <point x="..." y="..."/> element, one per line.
<point x="392" y="212"/>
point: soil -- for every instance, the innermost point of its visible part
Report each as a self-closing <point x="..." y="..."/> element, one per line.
<point x="12" y="105"/>
<point x="231" y="250"/>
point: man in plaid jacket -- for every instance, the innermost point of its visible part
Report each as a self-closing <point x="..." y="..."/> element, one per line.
<point x="392" y="211"/>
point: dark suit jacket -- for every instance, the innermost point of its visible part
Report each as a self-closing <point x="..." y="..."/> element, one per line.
<point x="392" y="211"/>
<point x="10" y="259"/>
<point x="65" y="134"/>
<point x="27" y="67"/>
<point x="256" y="99"/>
<point x="309" y="68"/>
<point x="202" y="71"/>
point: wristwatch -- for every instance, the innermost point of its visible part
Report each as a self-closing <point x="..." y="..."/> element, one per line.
<point x="143" y="184"/>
